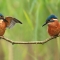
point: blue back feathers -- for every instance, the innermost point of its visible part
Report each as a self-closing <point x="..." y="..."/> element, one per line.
<point x="51" y="17"/>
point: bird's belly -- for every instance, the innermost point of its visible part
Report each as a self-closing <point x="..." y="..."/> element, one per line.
<point x="53" y="30"/>
<point x="2" y="28"/>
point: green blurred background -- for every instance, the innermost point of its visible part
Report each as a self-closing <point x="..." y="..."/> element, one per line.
<point x="32" y="13"/>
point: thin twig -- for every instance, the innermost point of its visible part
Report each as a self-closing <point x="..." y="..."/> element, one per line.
<point x="29" y="42"/>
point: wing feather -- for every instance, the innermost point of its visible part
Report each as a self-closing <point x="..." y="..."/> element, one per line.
<point x="12" y="21"/>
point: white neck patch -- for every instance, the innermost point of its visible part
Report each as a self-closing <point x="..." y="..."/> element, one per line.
<point x="1" y="20"/>
<point x="54" y="19"/>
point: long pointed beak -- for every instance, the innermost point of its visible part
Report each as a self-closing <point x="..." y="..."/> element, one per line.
<point x="44" y="24"/>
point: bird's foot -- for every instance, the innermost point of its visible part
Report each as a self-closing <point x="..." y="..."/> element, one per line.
<point x="56" y="36"/>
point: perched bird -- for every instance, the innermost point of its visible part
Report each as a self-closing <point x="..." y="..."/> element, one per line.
<point x="7" y="22"/>
<point x="53" y="25"/>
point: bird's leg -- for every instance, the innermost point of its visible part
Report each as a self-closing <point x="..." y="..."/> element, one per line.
<point x="56" y="35"/>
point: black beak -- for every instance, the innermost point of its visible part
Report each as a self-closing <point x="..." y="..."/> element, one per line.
<point x="44" y="24"/>
<point x="47" y="22"/>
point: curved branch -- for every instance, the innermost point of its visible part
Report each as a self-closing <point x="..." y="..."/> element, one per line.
<point x="29" y="42"/>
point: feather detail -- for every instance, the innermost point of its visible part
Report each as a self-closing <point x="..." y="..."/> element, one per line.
<point x="11" y="24"/>
<point x="12" y="21"/>
<point x="17" y="21"/>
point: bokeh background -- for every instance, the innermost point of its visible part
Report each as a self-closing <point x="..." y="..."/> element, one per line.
<point x="32" y="13"/>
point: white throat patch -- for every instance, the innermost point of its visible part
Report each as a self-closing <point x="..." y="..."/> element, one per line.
<point x="1" y="20"/>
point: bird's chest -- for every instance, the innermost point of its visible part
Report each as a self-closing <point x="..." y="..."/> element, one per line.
<point x="2" y="27"/>
<point x="53" y="29"/>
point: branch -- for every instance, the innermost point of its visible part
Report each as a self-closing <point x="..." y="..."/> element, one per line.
<point x="30" y="42"/>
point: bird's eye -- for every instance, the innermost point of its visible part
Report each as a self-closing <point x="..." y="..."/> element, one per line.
<point x="0" y="16"/>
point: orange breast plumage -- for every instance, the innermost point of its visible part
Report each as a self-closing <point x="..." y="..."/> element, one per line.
<point x="2" y="27"/>
<point x="54" y="28"/>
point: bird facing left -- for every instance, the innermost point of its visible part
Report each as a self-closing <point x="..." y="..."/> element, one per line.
<point x="53" y="25"/>
<point x="7" y="22"/>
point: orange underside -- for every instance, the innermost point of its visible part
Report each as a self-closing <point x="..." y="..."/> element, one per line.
<point x="2" y="28"/>
<point x="54" y="29"/>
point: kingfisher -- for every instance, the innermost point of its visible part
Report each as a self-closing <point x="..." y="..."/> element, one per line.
<point x="7" y="22"/>
<point x="53" y="25"/>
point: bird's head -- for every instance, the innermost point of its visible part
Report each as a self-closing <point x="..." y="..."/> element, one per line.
<point x="1" y="16"/>
<point x="50" y="18"/>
